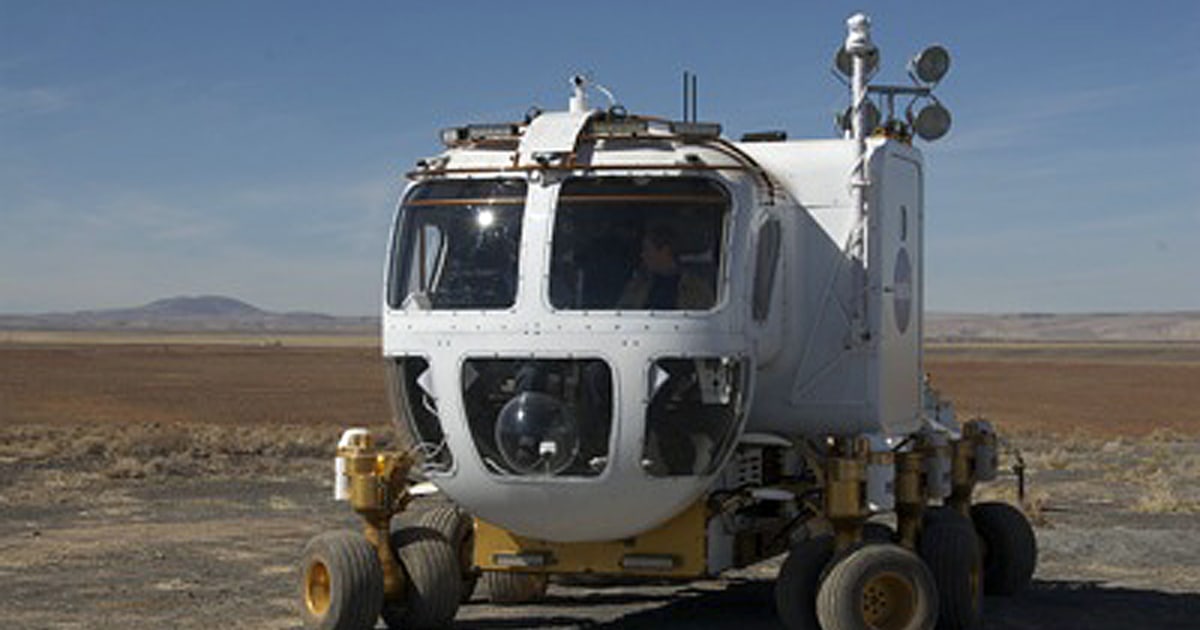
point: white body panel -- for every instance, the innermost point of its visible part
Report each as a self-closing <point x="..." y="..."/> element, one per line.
<point x="836" y="374"/>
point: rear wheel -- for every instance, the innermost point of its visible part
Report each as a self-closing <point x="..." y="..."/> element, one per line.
<point x="434" y="581"/>
<point x="799" y="578"/>
<point x="950" y="549"/>
<point x="1009" y="547"/>
<point x="341" y="582"/>
<point x="878" y="586"/>
<point x="508" y="587"/>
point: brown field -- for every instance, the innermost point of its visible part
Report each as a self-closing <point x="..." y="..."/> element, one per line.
<point x="191" y="380"/>
<point x="1117" y="389"/>
<point x="169" y="481"/>
<point x="66" y="379"/>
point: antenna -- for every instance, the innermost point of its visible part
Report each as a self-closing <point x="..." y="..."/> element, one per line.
<point x="689" y="97"/>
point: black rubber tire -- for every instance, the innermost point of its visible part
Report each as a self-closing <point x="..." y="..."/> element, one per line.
<point x="458" y="528"/>
<point x="433" y="580"/>
<point x="798" y="581"/>
<point x="950" y="549"/>
<point x="1009" y="547"/>
<point x="509" y="587"/>
<point x="856" y="579"/>
<point x="878" y="533"/>
<point x="341" y="582"/>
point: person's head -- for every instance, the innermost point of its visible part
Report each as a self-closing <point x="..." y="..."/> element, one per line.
<point x="658" y="249"/>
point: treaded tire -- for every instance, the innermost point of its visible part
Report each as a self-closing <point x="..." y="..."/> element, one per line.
<point x="878" y="533"/>
<point x="950" y="549"/>
<point x="1009" y="547"/>
<point x="509" y="587"/>
<point x="798" y="581"/>
<point x="433" y="587"/>
<point x="341" y="582"/>
<point x="881" y="586"/>
<point x="457" y="527"/>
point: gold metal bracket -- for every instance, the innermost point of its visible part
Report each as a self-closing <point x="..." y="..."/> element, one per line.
<point x="378" y="484"/>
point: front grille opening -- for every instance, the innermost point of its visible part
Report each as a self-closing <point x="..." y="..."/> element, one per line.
<point x="416" y="414"/>
<point x="540" y="418"/>
<point x="696" y="407"/>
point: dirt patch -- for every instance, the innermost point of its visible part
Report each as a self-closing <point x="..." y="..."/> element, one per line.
<point x="82" y="549"/>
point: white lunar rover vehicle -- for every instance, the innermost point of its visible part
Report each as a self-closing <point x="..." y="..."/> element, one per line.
<point x="627" y="346"/>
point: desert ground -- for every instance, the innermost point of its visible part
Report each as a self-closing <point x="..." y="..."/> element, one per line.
<point x="170" y="481"/>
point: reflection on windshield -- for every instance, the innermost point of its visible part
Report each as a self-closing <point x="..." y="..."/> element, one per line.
<point x="638" y="244"/>
<point x="457" y="245"/>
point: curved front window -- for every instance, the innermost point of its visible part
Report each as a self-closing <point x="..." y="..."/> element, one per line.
<point x="696" y="407"/>
<point x="457" y="245"/>
<point x="416" y="413"/>
<point x="638" y="243"/>
<point x="540" y="417"/>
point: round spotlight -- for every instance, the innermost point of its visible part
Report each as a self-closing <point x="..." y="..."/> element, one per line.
<point x="874" y="118"/>
<point x="932" y="122"/>
<point x="931" y="64"/>
<point x="844" y="63"/>
<point x="536" y="434"/>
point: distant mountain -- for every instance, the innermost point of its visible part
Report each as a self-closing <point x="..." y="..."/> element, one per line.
<point x="201" y="306"/>
<point x="204" y="313"/>
<point x="1169" y="326"/>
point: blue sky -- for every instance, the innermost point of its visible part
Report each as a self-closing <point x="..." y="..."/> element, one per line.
<point x="255" y="149"/>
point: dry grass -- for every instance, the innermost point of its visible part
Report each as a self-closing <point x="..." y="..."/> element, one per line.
<point x="1159" y="497"/>
<point x="69" y="462"/>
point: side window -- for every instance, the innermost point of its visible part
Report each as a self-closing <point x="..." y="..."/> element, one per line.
<point x="765" y="265"/>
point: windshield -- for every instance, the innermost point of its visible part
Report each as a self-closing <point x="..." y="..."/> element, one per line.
<point x="457" y="245"/>
<point x="638" y="243"/>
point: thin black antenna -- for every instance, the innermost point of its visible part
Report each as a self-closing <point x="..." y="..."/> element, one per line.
<point x="686" y="86"/>
<point x="695" y="116"/>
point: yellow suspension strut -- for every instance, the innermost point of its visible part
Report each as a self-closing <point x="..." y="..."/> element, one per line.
<point x="910" y="495"/>
<point x="973" y="459"/>
<point x="377" y="488"/>
<point x="845" y="491"/>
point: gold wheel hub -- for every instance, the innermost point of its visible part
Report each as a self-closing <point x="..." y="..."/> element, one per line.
<point x="888" y="601"/>
<point x="317" y="590"/>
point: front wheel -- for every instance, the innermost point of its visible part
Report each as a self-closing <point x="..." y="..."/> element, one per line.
<point x="458" y="529"/>
<point x="434" y="580"/>
<point x="878" y="586"/>
<point x="341" y="582"/>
